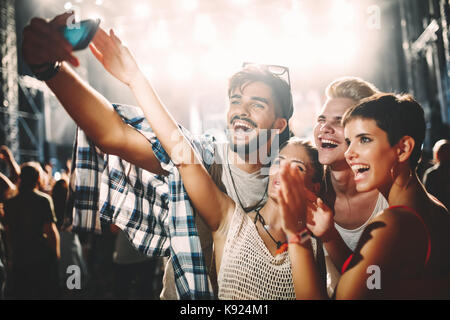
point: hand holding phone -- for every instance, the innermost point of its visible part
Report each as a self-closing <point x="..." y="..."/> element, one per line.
<point x="80" y="34"/>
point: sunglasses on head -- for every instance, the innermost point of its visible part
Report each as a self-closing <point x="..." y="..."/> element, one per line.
<point x="279" y="71"/>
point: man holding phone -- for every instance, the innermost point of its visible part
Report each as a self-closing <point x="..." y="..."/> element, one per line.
<point x="243" y="181"/>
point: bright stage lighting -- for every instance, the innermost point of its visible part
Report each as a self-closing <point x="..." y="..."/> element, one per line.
<point x="160" y="35"/>
<point x="218" y="63"/>
<point x="337" y="50"/>
<point x="180" y="67"/>
<point x="205" y="31"/>
<point x="251" y="39"/>
<point x="68" y="5"/>
<point x="141" y="10"/>
<point x="343" y="13"/>
<point x="189" y="5"/>
<point x="241" y="2"/>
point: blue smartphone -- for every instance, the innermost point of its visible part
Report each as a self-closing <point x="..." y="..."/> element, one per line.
<point x="80" y="34"/>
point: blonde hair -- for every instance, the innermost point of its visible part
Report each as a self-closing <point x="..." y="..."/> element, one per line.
<point x="351" y="88"/>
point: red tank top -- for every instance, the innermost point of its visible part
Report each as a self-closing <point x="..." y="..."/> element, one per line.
<point x="349" y="259"/>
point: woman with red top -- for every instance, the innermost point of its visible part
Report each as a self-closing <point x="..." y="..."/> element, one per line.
<point x="404" y="253"/>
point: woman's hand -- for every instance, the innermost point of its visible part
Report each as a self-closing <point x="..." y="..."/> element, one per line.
<point x="300" y="207"/>
<point x="292" y="199"/>
<point x="114" y="56"/>
<point x="320" y="219"/>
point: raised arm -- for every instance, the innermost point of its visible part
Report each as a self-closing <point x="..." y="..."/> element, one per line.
<point x="294" y="200"/>
<point x="210" y="202"/>
<point x="93" y="113"/>
<point x="8" y="157"/>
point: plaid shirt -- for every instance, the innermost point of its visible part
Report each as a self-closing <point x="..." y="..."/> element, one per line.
<point x="154" y="211"/>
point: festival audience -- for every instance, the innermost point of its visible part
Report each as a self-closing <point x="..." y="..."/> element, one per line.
<point x="402" y="252"/>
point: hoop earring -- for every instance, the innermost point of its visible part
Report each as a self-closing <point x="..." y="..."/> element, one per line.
<point x="407" y="183"/>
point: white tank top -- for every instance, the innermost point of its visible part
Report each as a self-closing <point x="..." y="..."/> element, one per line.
<point x="248" y="270"/>
<point x="351" y="238"/>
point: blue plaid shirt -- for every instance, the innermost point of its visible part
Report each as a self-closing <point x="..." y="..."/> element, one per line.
<point x="154" y="211"/>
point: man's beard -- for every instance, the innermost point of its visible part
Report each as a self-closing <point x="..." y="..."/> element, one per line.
<point x="256" y="150"/>
<point x="245" y="149"/>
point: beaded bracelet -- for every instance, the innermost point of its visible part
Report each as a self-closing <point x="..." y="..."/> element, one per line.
<point x="300" y="237"/>
<point x="46" y="71"/>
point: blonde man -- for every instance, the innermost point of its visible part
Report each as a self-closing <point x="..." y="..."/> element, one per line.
<point x="352" y="210"/>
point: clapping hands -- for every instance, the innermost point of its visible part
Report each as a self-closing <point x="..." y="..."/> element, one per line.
<point x="300" y="207"/>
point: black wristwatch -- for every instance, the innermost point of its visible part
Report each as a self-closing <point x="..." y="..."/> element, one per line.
<point x="46" y="71"/>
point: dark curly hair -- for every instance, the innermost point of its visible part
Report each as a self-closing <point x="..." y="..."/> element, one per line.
<point x="280" y="88"/>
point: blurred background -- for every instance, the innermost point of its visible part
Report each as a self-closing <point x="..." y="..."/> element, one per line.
<point x="189" y="49"/>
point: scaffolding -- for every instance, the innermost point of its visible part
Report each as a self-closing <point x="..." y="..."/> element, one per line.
<point x="424" y="28"/>
<point x="9" y="95"/>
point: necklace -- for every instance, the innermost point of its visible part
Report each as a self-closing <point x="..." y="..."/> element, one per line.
<point x="266" y="227"/>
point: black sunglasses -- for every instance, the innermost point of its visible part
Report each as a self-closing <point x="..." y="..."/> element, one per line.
<point x="280" y="71"/>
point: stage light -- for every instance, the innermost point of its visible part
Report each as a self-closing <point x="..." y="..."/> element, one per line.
<point x="68" y="5"/>
<point x="338" y="49"/>
<point x="251" y="32"/>
<point x="141" y="10"/>
<point x="180" y="67"/>
<point x="241" y="2"/>
<point x="254" y="41"/>
<point x="57" y="176"/>
<point x="160" y="35"/>
<point x="205" y="31"/>
<point x="343" y="13"/>
<point x="218" y="63"/>
<point x="98" y="2"/>
<point x="189" y="5"/>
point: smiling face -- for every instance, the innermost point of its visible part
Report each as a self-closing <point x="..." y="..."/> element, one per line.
<point x="369" y="154"/>
<point x="297" y="156"/>
<point x="251" y="114"/>
<point x="329" y="133"/>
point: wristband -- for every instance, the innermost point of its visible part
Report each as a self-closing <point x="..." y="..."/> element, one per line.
<point x="46" y="71"/>
<point x="300" y="237"/>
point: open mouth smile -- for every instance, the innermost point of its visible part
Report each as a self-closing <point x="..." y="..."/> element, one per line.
<point x="360" y="170"/>
<point x="241" y="126"/>
<point x="328" y="144"/>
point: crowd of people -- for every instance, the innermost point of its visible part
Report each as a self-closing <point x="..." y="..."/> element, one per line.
<point x="37" y="246"/>
<point x="263" y="216"/>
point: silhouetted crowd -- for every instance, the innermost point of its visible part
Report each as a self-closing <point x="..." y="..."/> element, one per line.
<point x="41" y="258"/>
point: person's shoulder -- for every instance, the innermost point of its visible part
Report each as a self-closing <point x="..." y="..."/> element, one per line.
<point x="396" y="232"/>
<point x="432" y="171"/>
<point x="13" y="200"/>
<point x="395" y="214"/>
<point x="42" y="196"/>
<point x="394" y="222"/>
<point x="404" y="224"/>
